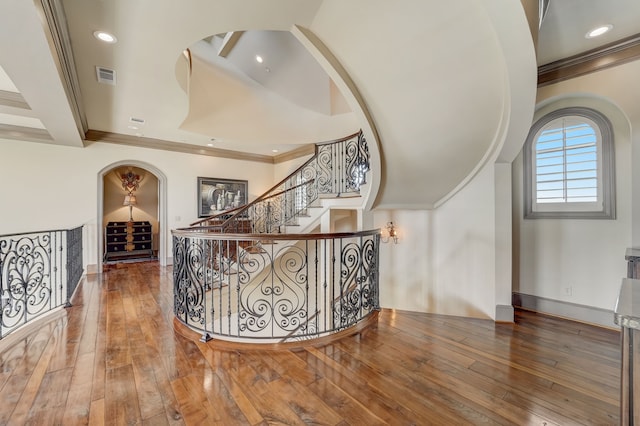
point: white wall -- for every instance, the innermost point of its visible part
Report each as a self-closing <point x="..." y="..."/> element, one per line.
<point x="575" y="261"/>
<point x="406" y="268"/>
<point x="55" y="187"/>
<point x="284" y="169"/>
<point x="465" y="249"/>
<point x="444" y="261"/>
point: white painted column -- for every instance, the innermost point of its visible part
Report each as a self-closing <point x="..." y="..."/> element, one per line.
<point x="503" y="242"/>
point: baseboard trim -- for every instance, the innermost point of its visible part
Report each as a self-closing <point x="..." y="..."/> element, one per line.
<point x="504" y="313"/>
<point x="573" y="311"/>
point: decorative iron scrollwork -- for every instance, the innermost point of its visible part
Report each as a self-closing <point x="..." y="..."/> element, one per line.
<point x="278" y="288"/>
<point x="337" y="168"/>
<point x="271" y="288"/>
<point x="38" y="273"/>
<point x="26" y="274"/>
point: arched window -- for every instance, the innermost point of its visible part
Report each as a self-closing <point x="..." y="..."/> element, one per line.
<point x="569" y="166"/>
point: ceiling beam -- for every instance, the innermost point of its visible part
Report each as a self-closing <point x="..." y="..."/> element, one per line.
<point x="62" y="53"/>
<point x="41" y="85"/>
<point x="229" y="42"/>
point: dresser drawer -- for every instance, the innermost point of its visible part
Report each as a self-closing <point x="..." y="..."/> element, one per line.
<point x="142" y="246"/>
<point x="142" y="237"/>
<point x="111" y="247"/>
<point x="116" y="238"/>
<point x="116" y="230"/>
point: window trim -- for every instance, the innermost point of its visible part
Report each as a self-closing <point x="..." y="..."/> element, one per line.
<point x="607" y="178"/>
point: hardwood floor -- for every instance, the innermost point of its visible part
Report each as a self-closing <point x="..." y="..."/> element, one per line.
<point x="115" y="358"/>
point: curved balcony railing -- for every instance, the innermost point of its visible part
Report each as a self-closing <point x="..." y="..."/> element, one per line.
<point x="39" y="272"/>
<point x="274" y="288"/>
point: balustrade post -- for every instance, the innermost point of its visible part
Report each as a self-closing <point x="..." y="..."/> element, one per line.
<point x="627" y="316"/>
<point x="291" y="288"/>
<point x="35" y="277"/>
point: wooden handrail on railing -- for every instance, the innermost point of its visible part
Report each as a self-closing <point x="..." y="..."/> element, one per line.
<point x="226" y="212"/>
<point x="336" y="167"/>
<point x="289" y="189"/>
<point x="299" y="286"/>
<point x="239" y="274"/>
<point x="306" y="163"/>
<point x="39" y="272"/>
<point x="222" y="213"/>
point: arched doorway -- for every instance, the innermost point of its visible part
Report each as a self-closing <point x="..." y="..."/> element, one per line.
<point x="162" y="246"/>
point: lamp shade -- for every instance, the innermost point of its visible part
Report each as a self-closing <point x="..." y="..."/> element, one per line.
<point x="130" y="200"/>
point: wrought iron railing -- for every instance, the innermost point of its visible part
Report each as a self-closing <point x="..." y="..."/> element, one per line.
<point x="274" y="288"/>
<point x="337" y="168"/>
<point x="39" y="272"/>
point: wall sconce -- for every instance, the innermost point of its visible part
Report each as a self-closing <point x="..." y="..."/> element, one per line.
<point x="130" y="200"/>
<point x="392" y="234"/>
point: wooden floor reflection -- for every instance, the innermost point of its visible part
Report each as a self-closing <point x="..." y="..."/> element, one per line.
<point x="115" y="358"/>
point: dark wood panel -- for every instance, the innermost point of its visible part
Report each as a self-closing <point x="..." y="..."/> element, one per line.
<point x="118" y="358"/>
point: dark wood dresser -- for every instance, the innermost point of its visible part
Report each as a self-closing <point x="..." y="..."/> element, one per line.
<point x="127" y="240"/>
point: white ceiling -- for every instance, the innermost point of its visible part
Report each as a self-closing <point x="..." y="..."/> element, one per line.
<point x="286" y="68"/>
<point x="563" y="30"/>
<point x="25" y="57"/>
<point x="6" y="83"/>
<point x="434" y="90"/>
<point x="287" y="99"/>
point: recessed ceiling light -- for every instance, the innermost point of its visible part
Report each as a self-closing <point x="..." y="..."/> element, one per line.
<point x="274" y="150"/>
<point x="209" y="144"/>
<point x="104" y="36"/>
<point x="259" y="59"/>
<point x="599" y="31"/>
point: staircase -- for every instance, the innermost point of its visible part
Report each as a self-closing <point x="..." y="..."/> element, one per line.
<point x="263" y="272"/>
<point x="336" y="171"/>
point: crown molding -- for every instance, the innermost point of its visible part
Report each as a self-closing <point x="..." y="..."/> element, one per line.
<point x="13" y="100"/>
<point x="144" y="142"/>
<point x="295" y="153"/>
<point x="613" y="54"/>
<point x="31" y="134"/>
<point x="59" y="38"/>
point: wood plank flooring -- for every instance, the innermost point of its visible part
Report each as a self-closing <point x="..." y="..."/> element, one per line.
<point x="116" y="358"/>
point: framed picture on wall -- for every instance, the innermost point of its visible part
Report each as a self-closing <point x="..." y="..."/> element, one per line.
<point x="217" y="195"/>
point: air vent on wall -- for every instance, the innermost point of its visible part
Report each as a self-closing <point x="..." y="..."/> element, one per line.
<point x="136" y="120"/>
<point x="106" y="76"/>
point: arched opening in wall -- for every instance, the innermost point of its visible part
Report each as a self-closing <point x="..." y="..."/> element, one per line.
<point x="131" y="213"/>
